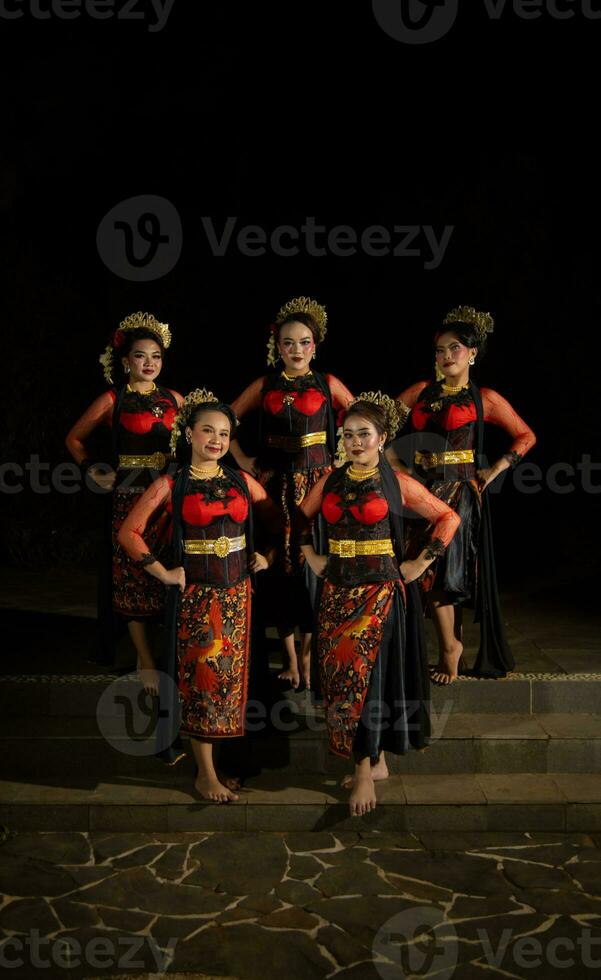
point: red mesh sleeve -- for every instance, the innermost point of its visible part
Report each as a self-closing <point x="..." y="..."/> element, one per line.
<point x="179" y="398"/>
<point x="341" y="396"/>
<point x="250" y="398"/>
<point x="442" y="520"/>
<point x="308" y="510"/>
<point x="131" y="534"/>
<point x="410" y="396"/>
<point x="269" y="515"/>
<point x="99" y="412"/>
<point x="498" y="411"/>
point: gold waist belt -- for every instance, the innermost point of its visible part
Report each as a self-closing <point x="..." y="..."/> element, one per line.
<point x="293" y="444"/>
<point x="156" y="461"/>
<point x="214" y="546"/>
<point x="349" y="548"/>
<point x="430" y="460"/>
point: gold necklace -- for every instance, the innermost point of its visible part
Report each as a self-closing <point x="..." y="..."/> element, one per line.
<point x="452" y="389"/>
<point x="135" y="390"/>
<point x="361" y="474"/>
<point x="199" y="474"/>
<point x="297" y="376"/>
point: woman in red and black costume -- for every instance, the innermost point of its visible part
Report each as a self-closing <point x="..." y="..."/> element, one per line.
<point x="297" y="443"/>
<point x="140" y="414"/>
<point x="447" y="418"/>
<point x="209" y="602"/>
<point x="371" y="651"/>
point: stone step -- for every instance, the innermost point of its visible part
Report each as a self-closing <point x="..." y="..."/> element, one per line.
<point x="472" y="743"/>
<point x="77" y="695"/>
<point x="282" y="802"/>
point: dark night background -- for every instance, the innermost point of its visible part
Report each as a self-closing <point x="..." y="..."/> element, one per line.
<point x="272" y="115"/>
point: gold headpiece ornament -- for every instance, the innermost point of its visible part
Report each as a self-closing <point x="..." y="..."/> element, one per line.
<point x="196" y="397"/>
<point x="396" y="416"/>
<point x="483" y="322"/>
<point x="302" y="304"/>
<point x="135" y="321"/>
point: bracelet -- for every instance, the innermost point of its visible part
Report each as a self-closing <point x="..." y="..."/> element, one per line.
<point x="147" y="559"/>
<point x="513" y="458"/>
<point x="435" y="548"/>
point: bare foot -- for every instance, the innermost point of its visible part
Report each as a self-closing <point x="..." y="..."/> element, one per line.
<point x="291" y="675"/>
<point x="150" y="680"/>
<point x="306" y="669"/>
<point x="231" y="782"/>
<point x="210" y="788"/>
<point x="363" y="795"/>
<point x="447" y="669"/>
<point x="379" y="771"/>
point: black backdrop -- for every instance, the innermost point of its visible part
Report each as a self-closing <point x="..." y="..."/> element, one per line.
<point x="272" y="116"/>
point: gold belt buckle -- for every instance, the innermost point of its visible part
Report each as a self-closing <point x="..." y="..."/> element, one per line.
<point x="348" y="548"/>
<point x="158" y="461"/>
<point x="222" y="546"/>
<point x="426" y="460"/>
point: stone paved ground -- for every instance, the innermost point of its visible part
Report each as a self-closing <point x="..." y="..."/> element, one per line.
<point x="301" y="905"/>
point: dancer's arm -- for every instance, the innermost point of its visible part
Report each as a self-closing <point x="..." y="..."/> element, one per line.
<point x="248" y="401"/>
<point x="341" y="396"/>
<point x="131" y="533"/>
<point x="407" y="399"/>
<point x="270" y="519"/>
<point x="498" y="411"/>
<point x="306" y="513"/>
<point x="100" y="412"/>
<point x="442" y="525"/>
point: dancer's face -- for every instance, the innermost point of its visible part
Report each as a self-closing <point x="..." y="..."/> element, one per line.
<point x="209" y="437"/>
<point x="296" y="346"/>
<point x="362" y="441"/>
<point x="144" y="361"/>
<point x="452" y="357"/>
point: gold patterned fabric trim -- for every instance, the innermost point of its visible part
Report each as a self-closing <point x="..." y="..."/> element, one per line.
<point x="349" y="547"/>
<point x="293" y="444"/>
<point x="430" y="460"/>
<point x="221" y="547"/>
<point x="155" y="461"/>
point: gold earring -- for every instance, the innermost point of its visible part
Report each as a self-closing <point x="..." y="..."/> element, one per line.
<point x="472" y="361"/>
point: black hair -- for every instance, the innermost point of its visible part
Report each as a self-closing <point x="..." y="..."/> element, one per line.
<point x="374" y="413"/>
<point x="466" y="333"/>
<point x="305" y="318"/>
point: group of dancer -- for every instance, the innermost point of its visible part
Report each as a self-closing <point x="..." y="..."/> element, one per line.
<point x="351" y="549"/>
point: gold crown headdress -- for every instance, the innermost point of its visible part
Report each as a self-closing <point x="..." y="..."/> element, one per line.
<point x="302" y="304"/>
<point x="135" y="321"/>
<point x="483" y="322"/>
<point x="396" y="416"/>
<point x="194" y="398"/>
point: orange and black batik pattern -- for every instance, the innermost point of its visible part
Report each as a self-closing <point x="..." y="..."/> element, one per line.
<point x="351" y="626"/>
<point x="213" y="646"/>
